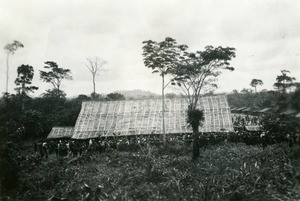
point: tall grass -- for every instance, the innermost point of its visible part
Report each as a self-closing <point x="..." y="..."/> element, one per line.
<point x="223" y="172"/>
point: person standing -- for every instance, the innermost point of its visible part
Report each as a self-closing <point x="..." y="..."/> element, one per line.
<point x="45" y="150"/>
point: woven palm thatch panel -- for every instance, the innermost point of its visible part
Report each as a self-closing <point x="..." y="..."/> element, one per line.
<point x="61" y="132"/>
<point x="137" y="117"/>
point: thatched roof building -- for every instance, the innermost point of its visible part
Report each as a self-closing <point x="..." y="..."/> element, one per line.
<point x="61" y="132"/>
<point x="139" y="117"/>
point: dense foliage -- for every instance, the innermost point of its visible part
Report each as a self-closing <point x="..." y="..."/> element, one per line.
<point x="115" y="96"/>
<point x="225" y="171"/>
<point x="24" y="80"/>
<point x="265" y="99"/>
<point x="40" y="116"/>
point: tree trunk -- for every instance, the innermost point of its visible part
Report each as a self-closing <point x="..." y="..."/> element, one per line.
<point x="94" y="85"/>
<point x="196" y="143"/>
<point x="23" y="96"/>
<point x="58" y="94"/>
<point x="163" y="109"/>
<point x="7" y="72"/>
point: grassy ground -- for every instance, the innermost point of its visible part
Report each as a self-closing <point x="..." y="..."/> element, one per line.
<point x="224" y="172"/>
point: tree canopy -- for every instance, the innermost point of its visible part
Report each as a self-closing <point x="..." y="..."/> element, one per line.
<point x="283" y="81"/>
<point x="55" y="75"/>
<point x="199" y="70"/>
<point x="255" y="82"/>
<point x="10" y="48"/>
<point x="162" y="56"/>
<point x="115" y="96"/>
<point x="24" y="79"/>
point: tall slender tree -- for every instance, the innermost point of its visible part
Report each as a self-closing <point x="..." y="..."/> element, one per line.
<point x="161" y="57"/>
<point x="95" y="65"/>
<point x="193" y="74"/>
<point x="10" y="49"/>
<point x="55" y="75"/>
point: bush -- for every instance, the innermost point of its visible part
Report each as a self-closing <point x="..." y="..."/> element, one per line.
<point x="9" y="168"/>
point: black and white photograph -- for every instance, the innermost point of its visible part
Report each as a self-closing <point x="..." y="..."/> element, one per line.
<point x="150" y="100"/>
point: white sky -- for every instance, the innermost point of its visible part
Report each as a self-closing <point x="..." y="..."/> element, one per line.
<point x="266" y="35"/>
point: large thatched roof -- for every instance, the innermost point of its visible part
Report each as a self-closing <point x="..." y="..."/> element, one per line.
<point x="61" y="132"/>
<point x="137" y="117"/>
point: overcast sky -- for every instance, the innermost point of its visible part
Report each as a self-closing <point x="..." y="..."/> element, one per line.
<point x="266" y="35"/>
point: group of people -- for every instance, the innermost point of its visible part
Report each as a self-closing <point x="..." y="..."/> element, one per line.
<point x="64" y="147"/>
<point x="59" y="148"/>
<point x="245" y="120"/>
<point x="69" y="147"/>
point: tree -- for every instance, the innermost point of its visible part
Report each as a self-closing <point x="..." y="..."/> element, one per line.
<point x="195" y="117"/>
<point x="55" y="75"/>
<point x="54" y="93"/>
<point x="83" y="97"/>
<point x="193" y="74"/>
<point x="31" y="123"/>
<point x="296" y="100"/>
<point x="170" y="95"/>
<point x="23" y="81"/>
<point x="10" y="49"/>
<point x="246" y="91"/>
<point x="115" y="96"/>
<point x="284" y="81"/>
<point x="161" y="57"/>
<point x="95" y="65"/>
<point x="98" y="97"/>
<point x="256" y="82"/>
<point x="235" y="91"/>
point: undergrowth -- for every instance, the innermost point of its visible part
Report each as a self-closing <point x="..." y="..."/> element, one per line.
<point x="223" y="172"/>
